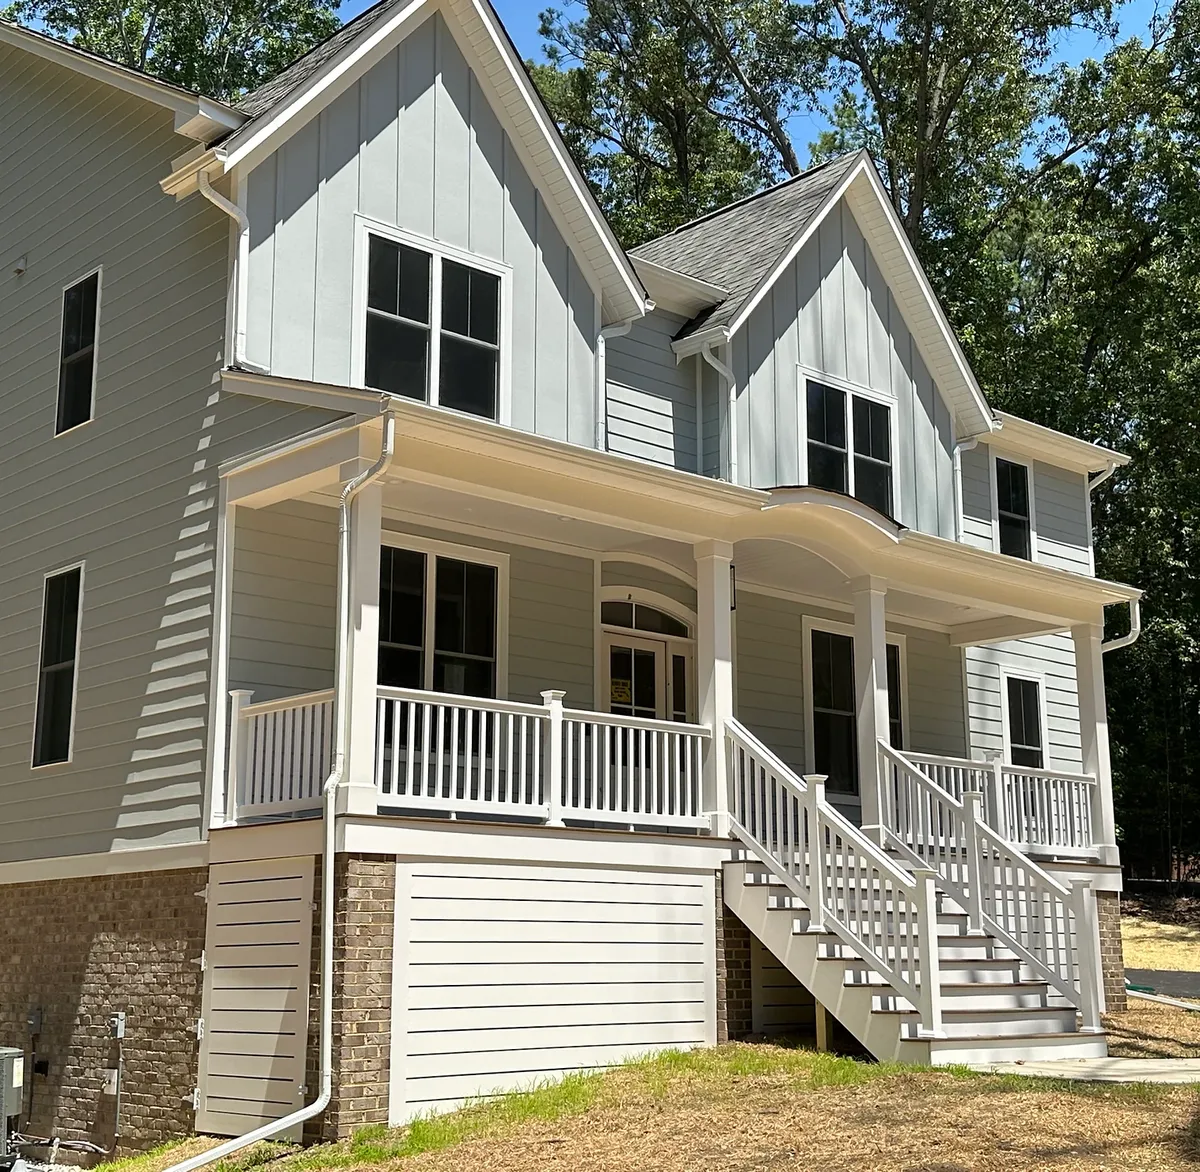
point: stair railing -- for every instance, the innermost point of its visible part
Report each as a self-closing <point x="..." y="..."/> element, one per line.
<point x="1003" y="891"/>
<point x="852" y="889"/>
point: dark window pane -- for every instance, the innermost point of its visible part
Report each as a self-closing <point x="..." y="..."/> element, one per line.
<point x="1012" y="488"/>
<point x="1024" y="723"/>
<point x="1014" y="537"/>
<point x="468" y="378"/>
<point x="679" y="709"/>
<point x="465" y="677"/>
<point x="456" y="298"/>
<point x="620" y="681"/>
<point x="79" y="315"/>
<point x="54" y="716"/>
<point x="895" y="713"/>
<point x="401" y="596"/>
<point x="414" y="285"/>
<point x="401" y="667"/>
<point x="649" y="618"/>
<point x="833" y="671"/>
<point x="485" y="307"/>
<point x="826" y="415"/>
<point x="826" y="468"/>
<point x="873" y="484"/>
<point x="836" y="750"/>
<point x="872" y="432"/>
<point x="617" y="614"/>
<point x="397" y="357"/>
<point x="60" y="618"/>
<point x="56" y="681"/>
<point x="77" y="357"/>
<point x="466" y="608"/>
<point x="470" y="302"/>
<point x="75" y="391"/>
<point x="645" y="684"/>
<point x="383" y="275"/>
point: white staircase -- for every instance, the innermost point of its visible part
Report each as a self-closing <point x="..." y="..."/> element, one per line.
<point x="947" y="945"/>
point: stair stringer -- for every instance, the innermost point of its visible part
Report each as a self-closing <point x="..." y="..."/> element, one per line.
<point x="824" y="977"/>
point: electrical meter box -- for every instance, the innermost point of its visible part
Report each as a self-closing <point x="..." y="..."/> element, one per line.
<point x="12" y="1079"/>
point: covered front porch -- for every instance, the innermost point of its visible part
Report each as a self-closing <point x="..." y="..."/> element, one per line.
<point x="546" y="635"/>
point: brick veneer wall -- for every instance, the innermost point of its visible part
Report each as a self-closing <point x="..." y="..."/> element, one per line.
<point x="734" y="992"/>
<point x="364" y="919"/>
<point x="82" y="950"/>
<point x="1112" y="958"/>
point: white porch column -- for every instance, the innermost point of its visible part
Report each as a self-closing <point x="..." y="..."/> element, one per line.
<point x="870" y="681"/>
<point x="1093" y="732"/>
<point x="714" y="669"/>
<point x="358" y="794"/>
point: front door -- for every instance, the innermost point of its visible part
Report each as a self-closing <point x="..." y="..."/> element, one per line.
<point x="637" y="677"/>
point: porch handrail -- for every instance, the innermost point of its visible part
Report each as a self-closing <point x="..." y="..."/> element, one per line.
<point x="285" y="702"/>
<point x="477" y="703"/>
<point x="1004" y="892"/>
<point x="850" y="886"/>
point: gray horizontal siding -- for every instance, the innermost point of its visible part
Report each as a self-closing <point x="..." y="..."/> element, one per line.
<point x="833" y="312"/>
<point x="1050" y="657"/>
<point x="937" y="712"/>
<point x="641" y="577"/>
<point x="1060" y="504"/>
<point x="651" y="397"/>
<point x="133" y="493"/>
<point x="416" y="144"/>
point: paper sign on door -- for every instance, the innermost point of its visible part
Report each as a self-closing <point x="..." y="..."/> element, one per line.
<point x="621" y="692"/>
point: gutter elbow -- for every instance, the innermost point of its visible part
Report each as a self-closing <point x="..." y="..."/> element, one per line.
<point x="1135" y="629"/>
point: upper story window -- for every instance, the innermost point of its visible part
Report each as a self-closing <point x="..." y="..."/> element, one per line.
<point x="1013" y="513"/>
<point x="850" y="445"/>
<point x="55" y="719"/>
<point x="433" y="328"/>
<point x="77" y="353"/>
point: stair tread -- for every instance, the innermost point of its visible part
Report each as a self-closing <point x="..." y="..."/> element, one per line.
<point x="1013" y="1010"/>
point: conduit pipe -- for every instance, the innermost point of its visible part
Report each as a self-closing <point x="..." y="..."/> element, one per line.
<point x="236" y="213"/>
<point x="731" y="387"/>
<point x="329" y="820"/>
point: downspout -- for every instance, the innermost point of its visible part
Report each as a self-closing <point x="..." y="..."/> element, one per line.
<point x="727" y="374"/>
<point x="616" y="330"/>
<point x="235" y="212"/>
<point x="1135" y="604"/>
<point x="965" y="446"/>
<point x="329" y="819"/>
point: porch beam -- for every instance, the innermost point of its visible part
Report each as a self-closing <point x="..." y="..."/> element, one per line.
<point x="714" y="669"/>
<point x="870" y="680"/>
<point x="1093" y="734"/>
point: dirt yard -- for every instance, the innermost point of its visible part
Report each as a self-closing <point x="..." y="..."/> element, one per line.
<point x="1162" y="933"/>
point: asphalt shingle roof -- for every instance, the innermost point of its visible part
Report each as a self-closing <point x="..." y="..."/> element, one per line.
<point x="737" y="246"/>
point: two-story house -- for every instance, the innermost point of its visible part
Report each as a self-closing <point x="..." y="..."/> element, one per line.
<point x="440" y="649"/>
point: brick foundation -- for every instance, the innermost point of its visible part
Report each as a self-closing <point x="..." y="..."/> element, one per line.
<point x="1112" y="959"/>
<point x="364" y="918"/>
<point x="734" y="986"/>
<point x="81" y="950"/>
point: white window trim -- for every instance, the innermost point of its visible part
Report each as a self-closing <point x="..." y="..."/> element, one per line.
<point x="364" y="227"/>
<point x="433" y="549"/>
<point x="895" y="638"/>
<point x="57" y="572"/>
<point x="675" y="645"/>
<point x="98" y="273"/>
<point x="1038" y="678"/>
<point x="993" y="477"/>
<point x="807" y="374"/>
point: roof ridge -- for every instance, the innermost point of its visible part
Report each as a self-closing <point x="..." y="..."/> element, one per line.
<point x="737" y="203"/>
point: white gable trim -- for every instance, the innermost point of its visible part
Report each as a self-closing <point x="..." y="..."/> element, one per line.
<point x="490" y="53"/>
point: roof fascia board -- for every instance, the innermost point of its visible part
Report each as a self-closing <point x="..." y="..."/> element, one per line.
<point x="930" y="299"/>
<point x="683" y="282"/>
<point x="187" y="107"/>
<point x="1053" y="447"/>
<point x="793" y="250"/>
<point x="701" y="340"/>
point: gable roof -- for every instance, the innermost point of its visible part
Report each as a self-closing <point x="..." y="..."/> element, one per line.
<point x="747" y="246"/>
<point x="734" y="246"/>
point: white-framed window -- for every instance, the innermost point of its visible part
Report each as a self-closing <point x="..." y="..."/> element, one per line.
<point x="849" y="444"/>
<point x="58" y="661"/>
<point x="1023" y="698"/>
<point x="432" y="322"/>
<point x="648" y="656"/>
<point x="443" y="617"/>
<point x="831" y="701"/>
<point x="79" y="328"/>
<point x="1013" y="520"/>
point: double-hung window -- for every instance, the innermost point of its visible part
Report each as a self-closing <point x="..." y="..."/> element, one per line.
<point x="55" y="716"/>
<point x="850" y="445"/>
<point x="77" y="353"/>
<point x="1024" y="722"/>
<point x="433" y="328"/>
<point x="1013" y="513"/>
<point x="438" y="623"/>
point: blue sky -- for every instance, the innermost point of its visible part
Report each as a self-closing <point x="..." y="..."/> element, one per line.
<point x="521" y="19"/>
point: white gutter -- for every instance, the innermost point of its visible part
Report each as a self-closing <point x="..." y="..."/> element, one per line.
<point x="965" y="446"/>
<point x="232" y="210"/>
<point x="341" y="724"/>
<point x="727" y="374"/>
<point x="1135" y="629"/>
<point x="616" y="330"/>
<point x="1108" y="471"/>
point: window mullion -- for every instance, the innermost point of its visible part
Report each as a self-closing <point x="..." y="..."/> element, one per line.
<point x="435" y="330"/>
<point x="851" y="446"/>
<point x="430" y="618"/>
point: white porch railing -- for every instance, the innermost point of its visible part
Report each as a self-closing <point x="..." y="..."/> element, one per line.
<point x="850" y="886"/>
<point x="280" y="753"/>
<point x="1003" y="891"/>
<point x="1041" y="811"/>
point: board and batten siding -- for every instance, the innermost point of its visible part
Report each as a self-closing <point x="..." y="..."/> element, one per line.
<point x="415" y="143"/>
<point x="133" y="494"/>
<point x="832" y="312"/>
<point x="652" y="398"/>
<point x="508" y="974"/>
<point x="1050" y="658"/>
<point x="977" y="496"/>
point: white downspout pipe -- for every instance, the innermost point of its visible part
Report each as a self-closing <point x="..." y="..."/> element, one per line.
<point x="959" y="448"/>
<point x="1135" y="629"/>
<point x="616" y="330"/>
<point x="329" y="819"/>
<point x="236" y="213"/>
<point x="731" y="387"/>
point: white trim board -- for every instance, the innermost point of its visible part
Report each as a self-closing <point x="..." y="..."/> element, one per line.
<point x="123" y="862"/>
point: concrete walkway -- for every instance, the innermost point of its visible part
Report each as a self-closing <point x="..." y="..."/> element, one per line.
<point x="1168" y="1070"/>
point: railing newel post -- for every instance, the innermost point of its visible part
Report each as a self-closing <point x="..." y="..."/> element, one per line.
<point x="1087" y="950"/>
<point x="814" y="801"/>
<point x="553" y="699"/>
<point x="972" y="811"/>
<point x="235" y="772"/>
<point x="927" y="943"/>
